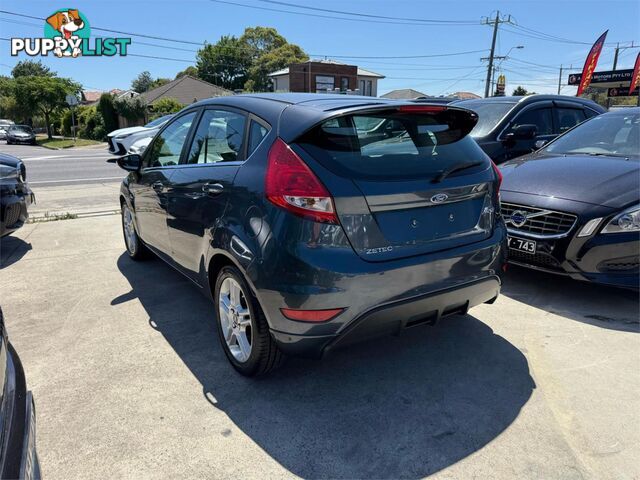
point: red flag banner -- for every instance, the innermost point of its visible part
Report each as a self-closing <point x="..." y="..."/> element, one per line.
<point x="590" y="63"/>
<point x="635" y="78"/>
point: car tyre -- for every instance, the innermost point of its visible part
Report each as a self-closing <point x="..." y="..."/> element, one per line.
<point x="242" y="326"/>
<point x="136" y="249"/>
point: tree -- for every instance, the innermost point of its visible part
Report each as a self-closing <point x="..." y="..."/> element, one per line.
<point x="44" y="95"/>
<point x="107" y="109"/>
<point x="269" y="51"/>
<point x="190" y="71"/>
<point x="224" y="63"/>
<point x="167" y="105"/>
<point x="158" y="82"/>
<point x="520" y="91"/>
<point x="30" y="68"/>
<point x="142" y="82"/>
<point x="270" y="62"/>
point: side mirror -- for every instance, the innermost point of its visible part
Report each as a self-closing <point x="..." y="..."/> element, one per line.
<point x="525" y="132"/>
<point x="130" y="163"/>
<point x="540" y="143"/>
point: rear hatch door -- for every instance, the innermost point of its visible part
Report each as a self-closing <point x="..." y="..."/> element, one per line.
<point x="406" y="180"/>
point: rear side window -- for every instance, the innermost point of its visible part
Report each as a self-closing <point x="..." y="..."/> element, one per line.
<point x="393" y="145"/>
<point x="218" y="138"/>
<point x="256" y="133"/>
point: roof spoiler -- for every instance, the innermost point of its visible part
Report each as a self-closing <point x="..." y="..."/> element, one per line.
<point x="295" y="122"/>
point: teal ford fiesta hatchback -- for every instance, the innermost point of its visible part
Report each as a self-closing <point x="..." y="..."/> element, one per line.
<point x="314" y="221"/>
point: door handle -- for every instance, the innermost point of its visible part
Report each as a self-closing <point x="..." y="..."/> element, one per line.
<point x="158" y="186"/>
<point x="212" y="188"/>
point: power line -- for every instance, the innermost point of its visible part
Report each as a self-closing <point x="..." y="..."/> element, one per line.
<point x="359" y="14"/>
<point x="332" y="17"/>
<point x="142" y="35"/>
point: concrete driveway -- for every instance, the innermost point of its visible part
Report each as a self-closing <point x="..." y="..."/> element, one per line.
<point x="130" y="381"/>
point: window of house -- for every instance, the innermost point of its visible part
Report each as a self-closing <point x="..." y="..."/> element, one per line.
<point x="362" y="84"/>
<point x="344" y="84"/>
<point x="369" y="88"/>
<point x="324" y="83"/>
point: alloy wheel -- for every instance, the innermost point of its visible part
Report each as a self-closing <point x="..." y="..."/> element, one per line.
<point x="235" y="319"/>
<point x="129" y="229"/>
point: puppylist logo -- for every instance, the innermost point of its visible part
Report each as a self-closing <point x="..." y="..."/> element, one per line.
<point x="67" y="34"/>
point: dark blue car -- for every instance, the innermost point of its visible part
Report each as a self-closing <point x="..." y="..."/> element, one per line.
<point x="314" y="221"/>
<point x="573" y="208"/>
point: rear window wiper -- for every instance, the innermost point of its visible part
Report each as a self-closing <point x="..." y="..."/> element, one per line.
<point x="455" y="168"/>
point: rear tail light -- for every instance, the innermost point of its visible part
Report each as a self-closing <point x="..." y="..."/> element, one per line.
<point x="311" y="315"/>
<point x="422" y="108"/>
<point x="291" y="184"/>
<point x="498" y="175"/>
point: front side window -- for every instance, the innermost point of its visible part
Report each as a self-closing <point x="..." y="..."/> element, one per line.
<point x="569" y="118"/>
<point x="540" y="117"/>
<point x="167" y="147"/>
<point x="219" y="138"/>
<point x="324" y="83"/>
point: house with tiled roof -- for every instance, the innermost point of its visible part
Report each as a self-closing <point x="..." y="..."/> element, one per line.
<point x="185" y="90"/>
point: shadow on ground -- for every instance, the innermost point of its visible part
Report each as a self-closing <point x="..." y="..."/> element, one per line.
<point x="606" y="307"/>
<point x="400" y="407"/>
<point x="12" y="249"/>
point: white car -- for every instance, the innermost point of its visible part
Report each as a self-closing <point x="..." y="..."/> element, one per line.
<point x="120" y="141"/>
<point x="4" y="126"/>
<point x="140" y="145"/>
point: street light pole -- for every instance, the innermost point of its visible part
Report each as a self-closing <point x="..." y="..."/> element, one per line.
<point x="560" y="80"/>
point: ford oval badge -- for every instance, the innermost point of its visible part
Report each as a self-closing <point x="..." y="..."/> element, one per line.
<point x="439" y="198"/>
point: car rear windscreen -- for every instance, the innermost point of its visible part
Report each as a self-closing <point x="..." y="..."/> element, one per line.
<point x="393" y="145"/>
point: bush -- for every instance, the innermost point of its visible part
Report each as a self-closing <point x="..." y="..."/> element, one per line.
<point x="91" y="124"/>
<point x="131" y="108"/>
<point x="106" y="108"/>
<point x="165" y="106"/>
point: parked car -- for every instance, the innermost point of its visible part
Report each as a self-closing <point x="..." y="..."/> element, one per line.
<point x="4" y="126"/>
<point x="120" y="141"/>
<point x="15" y="194"/>
<point x="20" y="134"/>
<point x="18" y="456"/>
<point x="140" y="145"/>
<point x="510" y="127"/>
<point x="574" y="207"/>
<point x="314" y="221"/>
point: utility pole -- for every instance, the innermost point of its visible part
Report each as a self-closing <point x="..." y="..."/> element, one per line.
<point x="615" y="64"/>
<point x="560" y="80"/>
<point x="495" y="22"/>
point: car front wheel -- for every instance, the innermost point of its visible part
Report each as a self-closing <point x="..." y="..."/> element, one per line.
<point x="242" y="326"/>
<point x="135" y="248"/>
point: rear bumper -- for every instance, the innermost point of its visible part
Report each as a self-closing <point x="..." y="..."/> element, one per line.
<point x="394" y="317"/>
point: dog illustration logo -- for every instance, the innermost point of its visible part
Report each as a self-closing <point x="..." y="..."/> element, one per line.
<point x="67" y="22"/>
<point x="67" y="34"/>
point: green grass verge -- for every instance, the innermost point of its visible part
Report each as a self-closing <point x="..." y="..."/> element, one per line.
<point x="65" y="143"/>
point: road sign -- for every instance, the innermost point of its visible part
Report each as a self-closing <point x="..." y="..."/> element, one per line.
<point x="72" y="100"/>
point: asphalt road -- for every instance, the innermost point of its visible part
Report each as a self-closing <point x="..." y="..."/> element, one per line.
<point x="75" y="166"/>
<point x="130" y="381"/>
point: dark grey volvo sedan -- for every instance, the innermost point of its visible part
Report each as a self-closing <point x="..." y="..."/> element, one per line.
<point x="314" y="221"/>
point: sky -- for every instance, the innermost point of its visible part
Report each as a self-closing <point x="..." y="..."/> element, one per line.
<point x="409" y="49"/>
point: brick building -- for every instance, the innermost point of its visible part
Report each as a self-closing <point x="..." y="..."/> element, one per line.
<point x="325" y="76"/>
